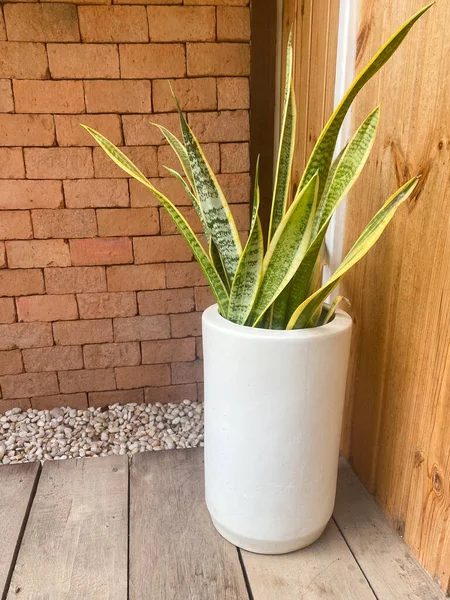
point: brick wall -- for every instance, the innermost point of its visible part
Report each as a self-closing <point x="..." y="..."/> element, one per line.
<point x="100" y="298"/>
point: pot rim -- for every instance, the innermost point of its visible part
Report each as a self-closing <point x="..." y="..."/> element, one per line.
<point x="341" y="323"/>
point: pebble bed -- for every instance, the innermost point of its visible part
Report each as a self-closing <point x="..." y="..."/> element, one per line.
<point x="61" y="433"/>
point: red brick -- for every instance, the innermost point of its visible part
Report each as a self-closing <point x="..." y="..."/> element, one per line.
<point x="116" y="397"/>
<point x="140" y="131"/>
<point x="2" y="255"/>
<point x="48" y="96"/>
<point x="201" y="392"/>
<point x="193" y="94"/>
<point x="136" y="277"/>
<point x="86" y="380"/>
<point x="127" y="221"/>
<point x="2" y="27"/>
<point x="21" y="282"/>
<point x="83" y="193"/>
<point x="169" y="186"/>
<point x="170" y="248"/>
<point x="23" y="61"/>
<point x="70" y="133"/>
<point x="11" y="163"/>
<point x="186" y="325"/>
<point x="22" y="403"/>
<point x="83" y="61"/>
<point x="15" y="225"/>
<point x="219" y="2"/>
<point x="234" y="158"/>
<point x="58" y="163"/>
<point x="55" y="358"/>
<point x="199" y="347"/>
<point x="25" y="335"/>
<point x="164" y="302"/>
<point x="141" y="328"/>
<point x="168" y="158"/>
<point x="75" y="280"/>
<point x="102" y="356"/>
<point x="166" y="351"/>
<point x="168" y="226"/>
<point x="144" y="157"/>
<point x="218" y="59"/>
<point x="64" y="223"/>
<point x="171" y="393"/>
<point x="7" y="310"/>
<point x="152" y="61"/>
<point x="48" y="402"/>
<point x="225" y="126"/>
<point x="182" y="24"/>
<point x="187" y="372"/>
<point x="117" y="96"/>
<point x="6" y="98"/>
<point x="106" y="305"/>
<point x="47" y="308"/>
<point x="26" y="130"/>
<point x="143" y="375"/>
<point x="184" y="275"/>
<point x="38" y="253"/>
<point x="41" y="22"/>
<point x="10" y="362"/>
<point x="147" y="1"/>
<point x="233" y="93"/>
<point x="110" y="251"/>
<point x="83" y="332"/>
<point x="236" y="187"/>
<point x="28" y="384"/>
<point x="30" y="194"/>
<point x="203" y="298"/>
<point x="233" y="24"/>
<point x="113" y="23"/>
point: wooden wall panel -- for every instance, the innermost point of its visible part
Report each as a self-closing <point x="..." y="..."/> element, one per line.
<point x="397" y="427"/>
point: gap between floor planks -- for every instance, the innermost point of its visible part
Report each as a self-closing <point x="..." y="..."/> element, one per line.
<point x="83" y="511"/>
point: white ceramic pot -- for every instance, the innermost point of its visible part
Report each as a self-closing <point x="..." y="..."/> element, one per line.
<point x="273" y="413"/>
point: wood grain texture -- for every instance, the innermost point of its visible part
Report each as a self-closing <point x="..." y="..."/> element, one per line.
<point x="75" y="543"/>
<point x="387" y="562"/>
<point x="314" y="25"/>
<point x="397" y="428"/>
<point x="17" y="484"/>
<point x="175" y="552"/>
<point x="326" y="569"/>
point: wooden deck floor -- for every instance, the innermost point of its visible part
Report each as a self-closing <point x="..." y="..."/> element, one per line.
<point x="107" y="529"/>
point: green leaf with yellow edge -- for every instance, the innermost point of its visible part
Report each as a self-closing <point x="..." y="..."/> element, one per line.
<point x="248" y="275"/>
<point x="179" y="150"/>
<point x="323" y="151"/>
<point x="286" y="250"/>
<point x="126" y="165"/>
<point x="303" y="314"/>
<point x="286" y="149"/>
<point x="215" y="208"/>
<point x="333" y="308"/>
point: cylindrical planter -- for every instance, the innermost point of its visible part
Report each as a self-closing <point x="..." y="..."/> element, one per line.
<point x="273" y="414"/>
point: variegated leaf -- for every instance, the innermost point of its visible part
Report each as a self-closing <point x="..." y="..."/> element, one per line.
<point x="303" y="314"/>
<point x="248" y="275"/>
<point x="179" y="150"/>
<point x="125" y="163"/>
<point x="286" y="250"/>
<point x="323" y="151"/>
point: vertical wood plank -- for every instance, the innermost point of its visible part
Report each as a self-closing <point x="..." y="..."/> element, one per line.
<point x="75" y="543"/>
<point x="388" y="564"/>
<point x="17" y="484"/>
<point x="175" y="552"/>
<point x="326" y="569"/>
<point x="398" y="433"/>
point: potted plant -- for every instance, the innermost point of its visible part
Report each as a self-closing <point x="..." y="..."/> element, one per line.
<point x="275" y="355"/>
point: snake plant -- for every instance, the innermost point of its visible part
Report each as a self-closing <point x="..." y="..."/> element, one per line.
<point x="277" y="283"/>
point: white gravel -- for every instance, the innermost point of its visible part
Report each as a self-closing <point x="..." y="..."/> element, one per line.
<point x="62" y="433"/>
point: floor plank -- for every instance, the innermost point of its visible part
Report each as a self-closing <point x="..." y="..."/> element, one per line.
<point x="324" y="570"/>
<point x="387" y="562"/>
<point x="75" y="543"/>
<point x="17" y="483"/>
<point x="175" y="553"/>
